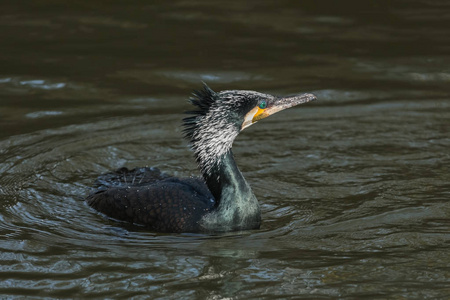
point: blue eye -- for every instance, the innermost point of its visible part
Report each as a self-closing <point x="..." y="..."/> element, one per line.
<point x="263" y="104"/>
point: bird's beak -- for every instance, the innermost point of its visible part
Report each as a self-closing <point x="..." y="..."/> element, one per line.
<point x="283" y="103"/>
<point x="274" y="106"/>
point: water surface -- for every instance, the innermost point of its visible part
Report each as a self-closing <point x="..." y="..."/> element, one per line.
<point x="354" y="187"/>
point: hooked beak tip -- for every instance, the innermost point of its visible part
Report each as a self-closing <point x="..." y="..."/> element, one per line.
<point x="288" y="102"/>
<point x="303" y="98"/>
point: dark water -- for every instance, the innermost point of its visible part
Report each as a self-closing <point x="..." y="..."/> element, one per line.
<point x="354" y="187"/>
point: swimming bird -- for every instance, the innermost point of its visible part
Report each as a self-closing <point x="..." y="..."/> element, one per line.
<point x="222" y="199"/>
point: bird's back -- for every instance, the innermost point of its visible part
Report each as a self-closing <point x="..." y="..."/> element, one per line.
<point x="148" y="197"/>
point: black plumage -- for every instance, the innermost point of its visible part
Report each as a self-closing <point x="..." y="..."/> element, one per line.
<point x="220" y="201"/>
<point x="149" y="197"/>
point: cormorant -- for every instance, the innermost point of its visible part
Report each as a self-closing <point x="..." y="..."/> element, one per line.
<point x="221" y="201"/>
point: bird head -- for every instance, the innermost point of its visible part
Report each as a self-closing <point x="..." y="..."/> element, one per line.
<point x="220" y="117"/>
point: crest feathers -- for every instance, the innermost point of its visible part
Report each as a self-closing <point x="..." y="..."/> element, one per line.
<point x="202" y="100"/>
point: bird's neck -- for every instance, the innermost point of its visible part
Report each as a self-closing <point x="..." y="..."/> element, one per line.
<point x="236" y="206"/>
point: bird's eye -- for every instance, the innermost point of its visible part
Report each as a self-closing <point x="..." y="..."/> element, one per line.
<point x="263" y="104"/>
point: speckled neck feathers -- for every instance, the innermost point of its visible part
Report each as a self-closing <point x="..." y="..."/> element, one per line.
<point x="212" y="128"/>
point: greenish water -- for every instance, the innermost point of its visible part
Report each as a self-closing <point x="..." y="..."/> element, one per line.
<point x="354" y="188"/>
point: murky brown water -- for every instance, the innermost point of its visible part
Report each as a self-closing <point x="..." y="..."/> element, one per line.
<point x="354" y="187"/>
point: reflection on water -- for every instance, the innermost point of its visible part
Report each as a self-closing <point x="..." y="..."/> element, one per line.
<point x="354" y="187"/>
